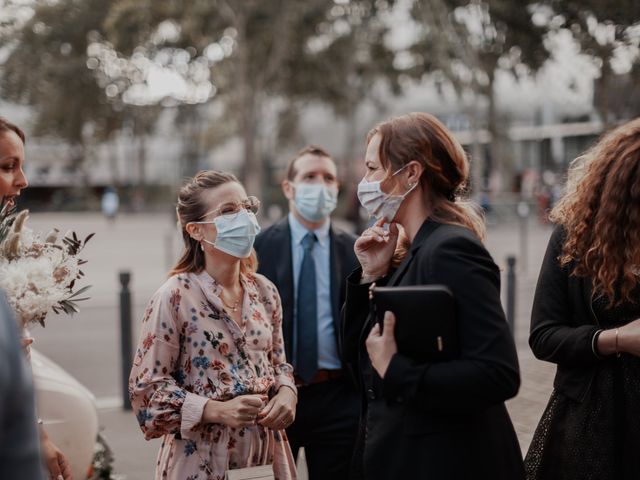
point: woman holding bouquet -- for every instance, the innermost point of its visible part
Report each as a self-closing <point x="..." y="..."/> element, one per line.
<point x="210" y="374"/>
<point x="12" y="181"/>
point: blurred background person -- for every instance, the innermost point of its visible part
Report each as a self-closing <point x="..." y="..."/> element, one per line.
<point x="308" y="259"/>
<point x="12" y="181"/>
<point x="210" y="372"/>
<point x="436" y="420"/>
<point x="586" y="319"/>
<point x="110" y="203"/>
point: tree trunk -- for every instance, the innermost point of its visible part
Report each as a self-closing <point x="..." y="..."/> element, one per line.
<point x="251" y="174"/>
<point x="498" y="164"/>
<point x="349" y="165"/>
<point x="603" y="99"/>
<point x="142" y="159"/>
<point x="477" y="183"/>
<point x="114" y="160"/>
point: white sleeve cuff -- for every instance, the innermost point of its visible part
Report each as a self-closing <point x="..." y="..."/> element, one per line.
<point x="192" y="409"/>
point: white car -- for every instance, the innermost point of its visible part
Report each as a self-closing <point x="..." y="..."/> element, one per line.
<point x="68" y="411"/>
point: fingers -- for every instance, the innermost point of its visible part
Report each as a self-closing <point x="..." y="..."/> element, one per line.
<point x="66" y="469"/>
<point x="376" y="233"/>
<point x="278" y="418"/>
<point x="375" y="331"/>
<point x="248" y="409"/>
<point x="253" y="400"/>
<point x="267" y="409"/>
<point x="389" y="324"/>
<point x="274" y="413"/>
<point x="54" y="468"/>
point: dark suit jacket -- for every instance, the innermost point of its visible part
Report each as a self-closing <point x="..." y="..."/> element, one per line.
<point x="441" y="420"/>
<point x="273" y="246"/>
<point x="563" y="323"/>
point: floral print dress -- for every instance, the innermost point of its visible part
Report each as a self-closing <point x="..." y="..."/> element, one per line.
<point x="191" y="351"/>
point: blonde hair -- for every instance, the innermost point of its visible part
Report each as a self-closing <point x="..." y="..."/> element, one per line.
<point x="191" y="208"/>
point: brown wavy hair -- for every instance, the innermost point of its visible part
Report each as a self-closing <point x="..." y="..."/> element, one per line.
<point x="7" y="126"/>
<point x="424" y="138"/>
<point x="600" y="213"/>
<point x="191" y="208"/>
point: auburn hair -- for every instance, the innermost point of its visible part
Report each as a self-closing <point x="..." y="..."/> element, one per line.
<point x="191" y="208"/>
<point x="423" y="138"/>
<point x="7" y="126"/>
<point x="600" y="214"/>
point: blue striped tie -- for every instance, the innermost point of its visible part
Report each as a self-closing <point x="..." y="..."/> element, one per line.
<point x="307" y="354"/>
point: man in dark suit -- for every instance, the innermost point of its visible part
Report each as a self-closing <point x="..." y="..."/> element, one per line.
<point x="308" y="260"/>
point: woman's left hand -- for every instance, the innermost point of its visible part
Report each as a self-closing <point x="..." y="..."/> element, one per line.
<point x="54" y="460"/>
<point x="280" y="412"/>
<point x="382" y="346"/>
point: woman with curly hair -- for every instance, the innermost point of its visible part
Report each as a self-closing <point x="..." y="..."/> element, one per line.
<point x="586" y="319"/>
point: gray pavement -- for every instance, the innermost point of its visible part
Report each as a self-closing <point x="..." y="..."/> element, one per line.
<point x="87" y="345"/>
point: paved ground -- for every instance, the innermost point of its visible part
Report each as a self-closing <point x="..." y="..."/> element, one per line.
<point x="87" y="345"/>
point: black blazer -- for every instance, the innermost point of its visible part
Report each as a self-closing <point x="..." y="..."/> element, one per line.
<point x="563" y="324"/>
<point x="442" y="420"/>
<point x="273" y="247"/>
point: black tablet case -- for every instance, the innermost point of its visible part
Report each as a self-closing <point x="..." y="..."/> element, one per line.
<point x="426" y="327"/>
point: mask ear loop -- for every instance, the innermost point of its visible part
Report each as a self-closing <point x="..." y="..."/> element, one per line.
<point x="410" y="186"/>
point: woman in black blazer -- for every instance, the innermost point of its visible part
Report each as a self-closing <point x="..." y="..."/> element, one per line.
<point x="429" y="420"/>
<point x="585" y="319"/>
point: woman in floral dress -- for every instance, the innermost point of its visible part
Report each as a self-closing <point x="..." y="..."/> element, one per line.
<point x="210" y="374"/>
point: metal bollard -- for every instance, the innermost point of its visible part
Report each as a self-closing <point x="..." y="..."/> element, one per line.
<point x="523" y="213"/>
<point x="511" y="293"/>
<point x="126" y="347"/>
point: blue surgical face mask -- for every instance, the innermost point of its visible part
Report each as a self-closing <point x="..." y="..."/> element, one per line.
<point x="236" y="233"/>
<point x="377" y="203"/>
<point x="315" y="201"/>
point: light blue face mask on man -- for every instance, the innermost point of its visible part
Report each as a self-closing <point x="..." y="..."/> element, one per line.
<point x="315" y="201"/>
<point x="236" y="233"/>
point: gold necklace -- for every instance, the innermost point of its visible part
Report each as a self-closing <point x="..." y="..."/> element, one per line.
<point x="234" y="307"/>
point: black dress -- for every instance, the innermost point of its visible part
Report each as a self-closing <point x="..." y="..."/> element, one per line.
<point x="599" y="437"/>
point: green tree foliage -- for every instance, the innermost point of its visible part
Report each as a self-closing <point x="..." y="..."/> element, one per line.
<point x="49" y="67"/>
<point x="466" y="42"/>
<point x="319" y="50"/>
<point x="602" y="28"/>
<point x="346" y="64"/>
<point x="256" y="39"/>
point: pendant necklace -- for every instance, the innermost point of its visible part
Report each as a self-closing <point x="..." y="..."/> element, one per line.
<point x="234" y="307"/>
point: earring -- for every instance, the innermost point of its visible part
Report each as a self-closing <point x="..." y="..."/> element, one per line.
<point x="202" y="247"/>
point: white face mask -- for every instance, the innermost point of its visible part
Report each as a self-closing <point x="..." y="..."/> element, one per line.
<point x="377" y="203"/>
<point x="236" y="233"/>
<point x="315" y="201"/>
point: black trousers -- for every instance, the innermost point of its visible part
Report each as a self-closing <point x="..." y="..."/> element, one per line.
<point x="326" y="426"/>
